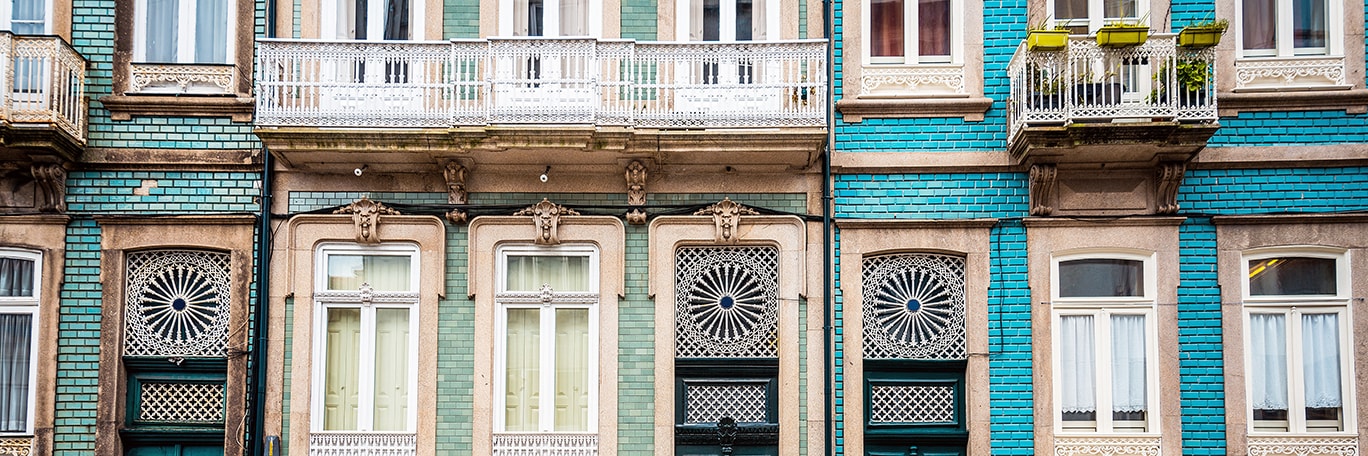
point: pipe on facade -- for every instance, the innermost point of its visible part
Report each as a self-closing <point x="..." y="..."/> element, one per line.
<point x="257" y="436"/>
<point x="828" y="299"/>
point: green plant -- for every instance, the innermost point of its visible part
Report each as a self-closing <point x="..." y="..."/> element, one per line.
<point x="1044" y="24"/>
<point x="1192" y="74"/>
<point x="1217" y="24"/>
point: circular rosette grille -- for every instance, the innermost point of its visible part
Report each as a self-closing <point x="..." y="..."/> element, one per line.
<point x="914" y="307"/>
<point x="177" y="303"/>
<point x="727" y="303"/>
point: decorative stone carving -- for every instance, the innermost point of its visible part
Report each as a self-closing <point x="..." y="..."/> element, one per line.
<point x="455" y="180"/>
<point x="636" y="183"/>
<point x="1303" y="446"/>
<point x="1170" y="177"/>
<point x="457" y="217"/>
<point x="726" y="216"/>
<point x="636" y="217"/>
<point x="1115" y="446"/>
<point x="1043" y="177"/>
<point x="52" y="187"/>
<point x="546" y="217"/>
<point x="366" y="217"/>
<point x="367" y="293"/>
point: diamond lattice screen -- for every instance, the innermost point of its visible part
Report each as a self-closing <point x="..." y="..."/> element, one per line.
<point x="178" y="303"/>
<point x="181" y="402"/>
<point x="911" y="404"/>
<point x="708" y="403"/>
<point x="914" y="307"/>
<point x="727" y="302"/>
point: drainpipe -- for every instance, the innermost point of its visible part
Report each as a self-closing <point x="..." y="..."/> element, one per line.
<point x="828" y="300"/>
<point x="257" y="436"/>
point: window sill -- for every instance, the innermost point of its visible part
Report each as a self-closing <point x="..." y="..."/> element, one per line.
<point x="1352" y="101"/>
<point x="972" y="109"/>
<point x="124" y="107"/>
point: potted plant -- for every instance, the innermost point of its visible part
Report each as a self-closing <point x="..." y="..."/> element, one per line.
<point x="1193" y="77"/>
<point x="1203" y="34"/>
<point x="1042" y="36"/>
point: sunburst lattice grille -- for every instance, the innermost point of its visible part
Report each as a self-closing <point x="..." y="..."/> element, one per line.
<point x="727" y="302"/>
<point x="708" y="403"/>
<point x="911" y="404"/>
<point x="177" y="303"/>
<point x="181" y="402"/>
<point x="914" y="307"/>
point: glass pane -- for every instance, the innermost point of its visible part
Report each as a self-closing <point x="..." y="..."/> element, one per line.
<point x="744" y="17"/>
<point x="28" y="17"/>
<point x="1071" y="9"/>
<point x="211" y="31"/>
<point x="1292" y="276"/>
<point x="392" y="369"/>
<point x="1118" y="9"/>
<point x="396" y="20"/>
<point x="16" y="277"/>
<point x="382" y="272"/>
<point x="1321" y="356"/>
<point x="563" y="273"/>
<point x="523" y="371"/>
<point x="16" y="347"/>
<point x="1101" y="278"/>
<point x="1077" y="367"/>
<point x="162" y="21"/>
<point x="1308" y="23"/>
<point x="341" y="373"/>
<point x="933" y="36"/>
<point x="572" y="370"/>
<point x="574" y="18"/>
<point x="712" y="20"/>
<point x="1128" y="364"/>
<point x="1268" y="362"/>
<point x="886" y="28"/>
<point x="1259" y="23"/>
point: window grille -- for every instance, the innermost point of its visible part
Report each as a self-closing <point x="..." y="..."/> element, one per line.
<point x="709" y="403"/>
<point x="16" y="446"/>
<point x="914" y="307"/>
<point x="181" y="402"/>
<point x="911" y="404"/>
<point x="178" y="303"/>
<point x="727" y="302"/>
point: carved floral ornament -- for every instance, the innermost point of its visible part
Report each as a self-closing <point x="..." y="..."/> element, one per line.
<point x="546" y="217"/>
<point x="636" y="191"/>
<point x="726" y="216"/>
<point x="366" y="218"/>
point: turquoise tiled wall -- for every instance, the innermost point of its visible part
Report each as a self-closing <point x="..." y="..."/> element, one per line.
<point x="930" y="196"/>
<point x="1291" y="128"/>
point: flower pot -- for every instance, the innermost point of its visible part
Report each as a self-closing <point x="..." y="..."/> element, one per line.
<point x="1200" y="37"/>
<point x="1122" y="36"/>
<point x="1047" y="40"/>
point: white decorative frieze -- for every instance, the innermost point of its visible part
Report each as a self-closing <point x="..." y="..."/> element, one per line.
<point x="181" y="78"/>
<point x="1108" y="446"/>
<point x="1289" y="72"/>
<point x="16" y="446"/>
<point x="905" y="80"/>
<point x="1303" y="446"/>
<point x="542" y="444"/>
<point x="363" y="444"/>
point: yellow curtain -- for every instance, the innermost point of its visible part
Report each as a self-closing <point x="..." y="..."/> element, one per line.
<point x="341" y="376"/>
<point x="382" y="272"/>
<point x="572" y="370"/>
<point x="563" y="273"/>
<point x="522" y="370"/>
<point x="391" y="370"/>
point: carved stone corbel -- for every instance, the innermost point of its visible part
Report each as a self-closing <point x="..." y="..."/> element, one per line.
<point x="1043" y="177"/>
<point x="1170" y="177"/>
<point x="546" y="217"/>
<point x="366" y="217"/>
<point x="636" y="192"/>
<point x="457" y="217"/>
<point x="726" y="216"/>
<point x="455" y="175"/>
<point x="51" y="180"/>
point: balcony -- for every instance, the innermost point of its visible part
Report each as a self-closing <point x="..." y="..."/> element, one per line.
<point x="43" y="112"/>
<point x="504" y="101"/>
<point x="1137" y="105"/>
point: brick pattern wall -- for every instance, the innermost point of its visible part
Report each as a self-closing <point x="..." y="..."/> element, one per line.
<point x="1200" y="364"/>
<point x="1290" y="129"/>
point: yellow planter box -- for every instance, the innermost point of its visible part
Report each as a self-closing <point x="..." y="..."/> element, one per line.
<point x="1122" y="36"/>
<point x="1200" y="37"/>
<point x="1047" y="40"/>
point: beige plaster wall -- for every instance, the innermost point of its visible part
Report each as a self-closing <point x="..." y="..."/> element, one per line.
<point x="968" y="238"/>
<point x="47" y="235"/>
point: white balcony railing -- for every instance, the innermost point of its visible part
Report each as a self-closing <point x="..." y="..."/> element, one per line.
<point x="43" y="82"/>
<point x="362" y="444"/>
<point x="545" y="444"/>
<point x="1156" y="80"/>
<point x="540" y="81"/>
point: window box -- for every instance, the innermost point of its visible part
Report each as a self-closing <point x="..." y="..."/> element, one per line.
<point x="1047" y="40"/>
<point x="1201" y="36"/>
<point x="1122" y="35"/>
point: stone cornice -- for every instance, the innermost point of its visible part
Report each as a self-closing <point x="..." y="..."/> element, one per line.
<point x="1288" y="219"/>
<point x="905" y="224"/>
<point x="972" y="109"/>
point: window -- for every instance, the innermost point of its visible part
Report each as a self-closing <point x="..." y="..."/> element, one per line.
<point x="1086" y="16"/>
<point x="1104" y="340"/>
<point x="184" y="31"/>
<point x="1285" y="28"/>
<point x="25" y="17"/>
<point x="926" y="31"/>
<point x="1298" y="343"/>
<point x="550" y="291"/>
<point x="19" y="293"/>
<point x="366" y="374"/>
<point x="372" y="19"/>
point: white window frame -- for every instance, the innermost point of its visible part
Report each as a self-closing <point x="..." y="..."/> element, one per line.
<point x="547" y="380"/>
<point x="326" y="299"/>
<point x="1334" y="33"/>
<point x="7" y="16"/>
<point x="375" y="29"/>
<point x="1292" y="307"/>
<point x="185" y="46"/>
<point x="911" y="31"/>
<point x="1095" y="19"/>
<point x="1102" y="308"/>
<point x="683" y="16"/>
<point x="29" y="306"/>
<point x="551" y="8"/>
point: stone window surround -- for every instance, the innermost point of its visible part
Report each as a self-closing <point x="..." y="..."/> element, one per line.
<point x="1157" y="236"/>
<point x="45" y="234"/>
<point x="788" y="234"/>
<point x="295" y="260"/>
<point x="487" y="234"/>
<point x="120" y="235"/>
<point x="969" y="238"/>
<point x="1236" y="236"/>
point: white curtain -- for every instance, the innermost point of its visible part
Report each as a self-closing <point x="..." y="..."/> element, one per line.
<point x="1259" y="21"/>
<point x="391" y="370"/>
<point x="341" y="376"/>
<point x="211" y="31"/>
<point x="16" y="277"/>
<point x="1128" y="363"/>
<point x="1268" y="356"/>
<point x="382" y="272"/>
<point x="886" y="28"/>
<point x="522" y="371"/>
<point x="16" y="341"/>
<point x="1077" y="369"/>
<point x="162" y="22"/>
<point x="572" y="370"/>
<point x="1321" y="359"/>
<point x="563" y="273"/>
<point x="28" y="17"/>
<point x="1308" y="23"/>
<point x="574" y="18"/>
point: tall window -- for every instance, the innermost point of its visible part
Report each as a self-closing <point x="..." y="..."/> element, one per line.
<point x="547" y="374"/>
<point x="727" y="20"/>
<point x="1285" y="28"/>
<point x="366" y="375"/>
<point x="372" y="20"/>
<point x="912" y="32"/>
<point x="1086" y="16"/>
<point x="1104" y="337"/>
<point x="184" y="31"/>
<point x="25" y="17"/>
<point x="19" y="286"/>
<point x="1298" y="343"/>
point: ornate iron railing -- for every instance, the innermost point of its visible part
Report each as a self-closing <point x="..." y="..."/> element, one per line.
<point x="540" y="81"/>
<point x="1156" y="80"/>
<point x="545" y="443"/>
<point x="42" y="80"/>
<point x="362" y="444"/>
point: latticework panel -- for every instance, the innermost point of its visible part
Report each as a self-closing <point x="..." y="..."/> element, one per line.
<point x="181" y="402"/>
<point x="545" y="444"/>
<point x="16" y="446"/>
<point x="914" y="307"/>
<point x="178" y="303"/>
<point x="363" y="444"/>
<point x="708" y="403"/>
<point x="1107" y="446"/>
<point x="911" y="404"/>
<point x="1303" y="446"/>
<point x="727" y="302"/>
